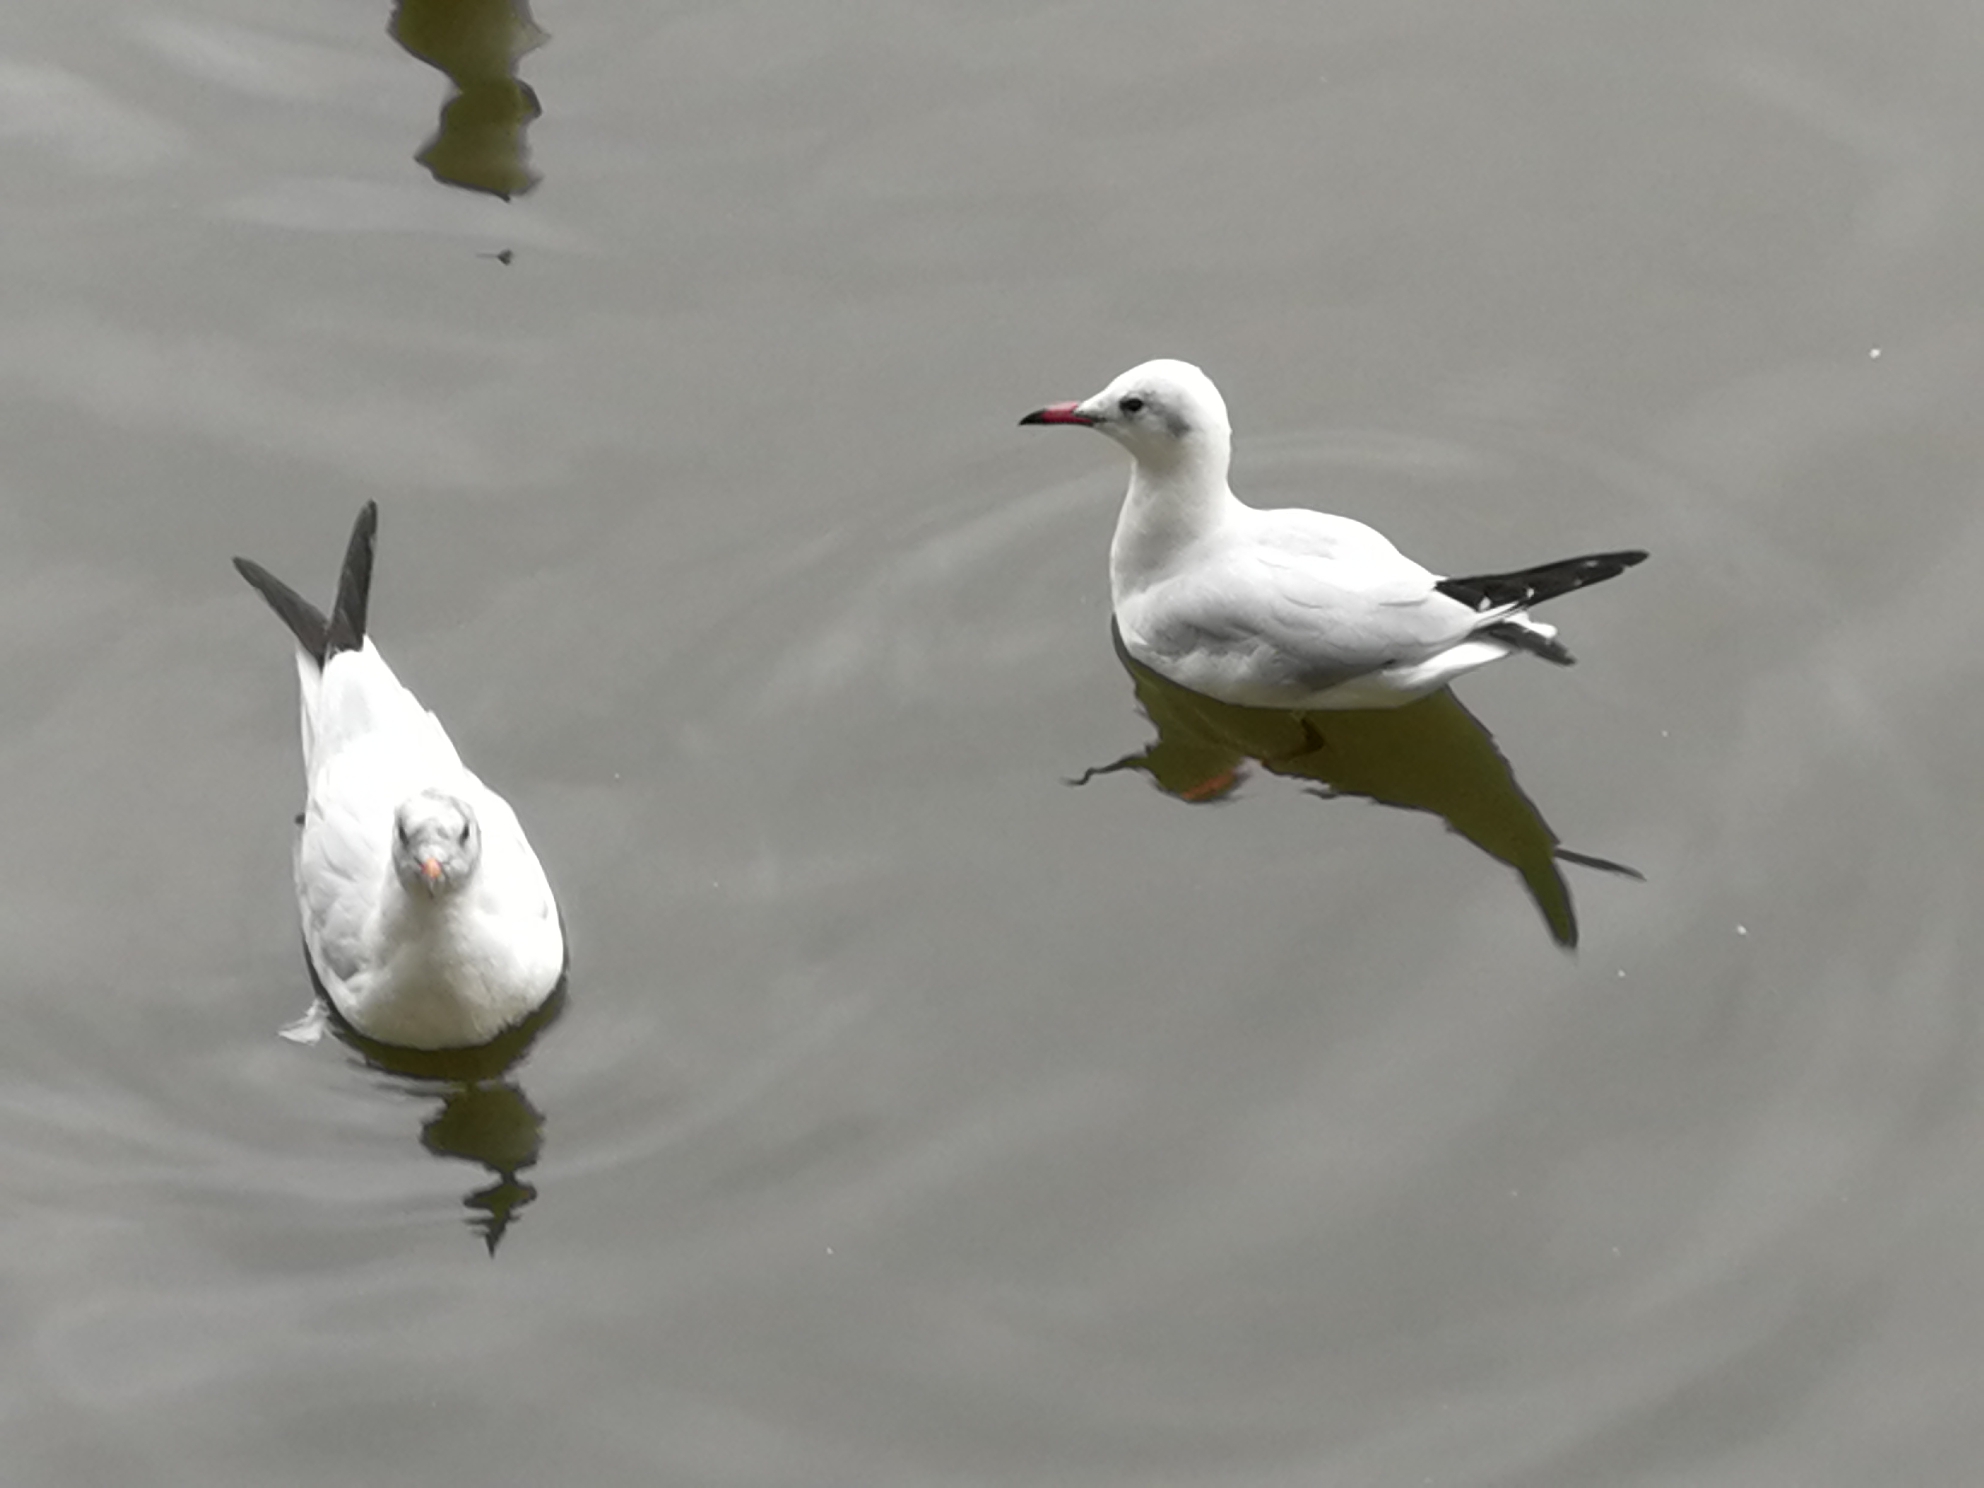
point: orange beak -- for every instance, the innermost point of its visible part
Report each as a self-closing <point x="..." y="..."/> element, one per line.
<point x="430" y="870"/>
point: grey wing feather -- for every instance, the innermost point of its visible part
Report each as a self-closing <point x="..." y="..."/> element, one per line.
<point x="1299" y="622"/>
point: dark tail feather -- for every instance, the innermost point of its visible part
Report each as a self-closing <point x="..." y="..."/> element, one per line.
<point x="347" y="631"/>
<point x="1534" y="642"/>
<point x="1531" y="586"/>
<point x="305" y="621"/>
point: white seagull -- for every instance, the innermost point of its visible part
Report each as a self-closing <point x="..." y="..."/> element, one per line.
<point x="1291" y="608"/>
<point x="426" y="916"/>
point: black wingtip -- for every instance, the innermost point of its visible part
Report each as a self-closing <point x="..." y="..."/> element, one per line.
<point x="305" y="621"/>
<point x="347" y="628"/>
<point x="1532" y="586"/>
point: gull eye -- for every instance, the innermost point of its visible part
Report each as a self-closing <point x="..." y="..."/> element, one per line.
<point x="400" y="828"/>
<point x="1131" y="404"/>
<point x="462" y="835"/>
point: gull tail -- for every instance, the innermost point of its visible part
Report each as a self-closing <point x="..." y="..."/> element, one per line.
<point x="1532" y="586"/>
<point x="344" y="630"/>
<point x="1526" y="635"/>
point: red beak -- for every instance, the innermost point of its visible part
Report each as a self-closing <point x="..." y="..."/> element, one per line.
<point x="1059" y="413"/>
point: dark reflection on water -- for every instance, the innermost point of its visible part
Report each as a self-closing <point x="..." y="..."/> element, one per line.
<point x="484" y="1116"/>
<point x="1432" y="755"/>
<point x="482" y="142"/>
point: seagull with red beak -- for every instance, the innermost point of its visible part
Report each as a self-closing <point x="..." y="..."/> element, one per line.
<point x="1291" y="608"/>
<point x="427" y="919"/>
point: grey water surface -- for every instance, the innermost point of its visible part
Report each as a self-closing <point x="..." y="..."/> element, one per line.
<point x="917" y="1118"/>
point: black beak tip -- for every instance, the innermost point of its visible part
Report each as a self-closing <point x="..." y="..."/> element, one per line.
<point x="1059" y="413"/>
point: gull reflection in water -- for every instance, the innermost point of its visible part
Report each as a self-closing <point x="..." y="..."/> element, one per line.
<point x="484" y="1117"/>
<point x="481" y="144"/>
<point x="1431" y="755"/>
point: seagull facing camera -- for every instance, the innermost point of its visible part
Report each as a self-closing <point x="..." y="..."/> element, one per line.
<point x="427" y="918"/>
<point x="436" y="842"/>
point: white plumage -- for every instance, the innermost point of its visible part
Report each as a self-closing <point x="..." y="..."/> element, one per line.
<point x="1290" y="608"/>
<point x="426" y="916"/>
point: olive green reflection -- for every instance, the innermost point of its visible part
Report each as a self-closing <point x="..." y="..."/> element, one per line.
<point x="1431" y="755"/>
<point x="484" y="1116"/>
<point x="481" y="144"/>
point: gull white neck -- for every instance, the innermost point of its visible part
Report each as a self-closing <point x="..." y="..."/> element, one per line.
<point x="1169" y="508"/>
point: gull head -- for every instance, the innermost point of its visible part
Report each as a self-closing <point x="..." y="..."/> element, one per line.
<point x="436" y="843"/>
<point x="1164" y="413"/>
